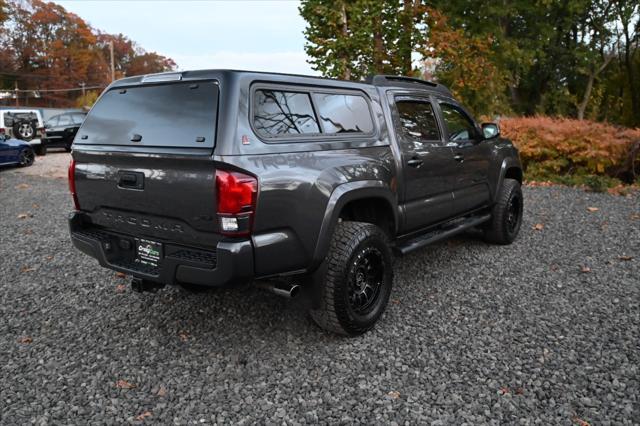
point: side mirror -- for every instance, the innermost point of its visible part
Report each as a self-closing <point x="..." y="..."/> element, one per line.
<point x="490" y="130"/>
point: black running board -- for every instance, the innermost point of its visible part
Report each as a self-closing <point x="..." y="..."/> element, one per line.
<point x="446" y="231"/>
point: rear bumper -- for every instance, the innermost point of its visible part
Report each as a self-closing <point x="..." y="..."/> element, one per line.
<point x="231" y="263"/>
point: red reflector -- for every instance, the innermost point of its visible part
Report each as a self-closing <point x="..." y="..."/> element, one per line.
<point x="72" y="183"/>
<point x="236" y="192"/>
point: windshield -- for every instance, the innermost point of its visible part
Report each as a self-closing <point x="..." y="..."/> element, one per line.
<point x="165" y="115"/>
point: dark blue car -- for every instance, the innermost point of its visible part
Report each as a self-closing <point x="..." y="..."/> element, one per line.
<point x="15" y="152"/>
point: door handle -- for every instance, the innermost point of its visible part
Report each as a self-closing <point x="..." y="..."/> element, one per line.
<point x="136" y="138"/>
<point x="415" y="162"/>
<point x="130" y="180"/>
<point x="459" y="158"/>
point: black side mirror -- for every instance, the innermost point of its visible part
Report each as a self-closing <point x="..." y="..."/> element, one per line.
<point x="490" y="130"/>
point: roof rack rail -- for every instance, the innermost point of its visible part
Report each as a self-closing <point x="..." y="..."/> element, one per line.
<point x="387" y="80"/>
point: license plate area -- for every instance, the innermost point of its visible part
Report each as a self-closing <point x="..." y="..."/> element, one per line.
<point x="148" y="253"/>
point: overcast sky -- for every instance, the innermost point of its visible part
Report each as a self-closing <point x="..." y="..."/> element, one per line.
<point x="254" y="35"/>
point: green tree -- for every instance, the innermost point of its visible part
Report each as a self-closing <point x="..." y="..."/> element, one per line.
<point x="354" y="39"/>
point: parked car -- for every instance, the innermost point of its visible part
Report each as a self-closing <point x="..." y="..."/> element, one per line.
<point x="217" y="178"/>
<point x="23" y="124"/>
<point x="15" y="152"/>
<point x="61" y="129"/>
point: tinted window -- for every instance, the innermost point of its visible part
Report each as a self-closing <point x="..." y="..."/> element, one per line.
<point x="53" y="121"/>
<point x="77" y="118"/>
<point x="64" y="120"/>
<point x="458" y="124"/>
<point x="11" y="118"/>
<point x="284" y="113"/>
<point x="167" y="115"/>
<point x="418" y="121"/>
<point x="343" y="113"/>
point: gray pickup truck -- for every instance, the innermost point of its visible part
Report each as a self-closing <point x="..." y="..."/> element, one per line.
<point x="220" y="178"/>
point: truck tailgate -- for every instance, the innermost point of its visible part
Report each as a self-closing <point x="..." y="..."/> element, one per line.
<point x="119" y="190"/>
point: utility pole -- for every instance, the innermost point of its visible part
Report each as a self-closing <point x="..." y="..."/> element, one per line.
<point x="113" y="67"/>
<point x="83" y="85"/>
<point x="17" y="93"/>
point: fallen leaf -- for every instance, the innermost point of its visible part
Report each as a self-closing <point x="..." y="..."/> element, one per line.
<point x="585" y="269"/>
<point x="49" y="257"/>
<point x="24" y="215"/>
<point x="635" y="217"/>
<point x="25" y="340"/>
<point x="395" y="301"/>
<point x="121" y="288"/>
<point x="184" y="336"/>
<point x="592" y="209"/>
<point x="577" y="420"/>
<point x="28" y="232"/>
<point x="626" y="258"/>
<point x="23" y="186"/>
<point x="123" y="384"/>
<point x="519" y="391"/>
<point x="121" y="275"/>
<point x="538" y="227"/>
<point x="503" y="391"/>
<point x="394" y="394"/>
<point x="162" y="391"/>
<point x="25" y="269"/>
<point x="144" y="415"/>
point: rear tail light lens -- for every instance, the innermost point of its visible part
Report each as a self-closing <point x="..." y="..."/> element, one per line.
<point x="72" y="183"/>
<point x="236" y="196"/>
<point x="2" y="130"/>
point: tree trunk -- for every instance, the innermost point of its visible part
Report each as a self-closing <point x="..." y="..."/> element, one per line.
<point x="406" y="39"/>
<point x="378" y="46"/>
<point x="582" y="106"/>
<point x="346" y="66"/>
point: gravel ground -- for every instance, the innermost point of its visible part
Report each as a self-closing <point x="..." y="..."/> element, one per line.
<point x="545" y="331"/>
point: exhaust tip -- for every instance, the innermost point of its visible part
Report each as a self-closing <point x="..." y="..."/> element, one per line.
<point x="294" y="291"/>
<point x="280" y="289"/>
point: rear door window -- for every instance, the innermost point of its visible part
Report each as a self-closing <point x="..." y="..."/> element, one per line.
<point x="164" y="115"/>
<point x="278" y="113"/>
<point x="417" y="120"/>
<point x="343" y="113"/>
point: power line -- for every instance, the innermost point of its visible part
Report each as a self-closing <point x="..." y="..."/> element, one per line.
<point x="55" y="90"/>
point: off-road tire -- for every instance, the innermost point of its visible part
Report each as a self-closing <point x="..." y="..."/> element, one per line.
<point x="352" y="243"/>
<point x="501" y="229"/>
<point x="27" y="158"/>
<point x="24" y="130"/>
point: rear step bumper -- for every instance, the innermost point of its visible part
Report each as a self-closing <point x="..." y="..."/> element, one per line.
<point x="230" y="264"/>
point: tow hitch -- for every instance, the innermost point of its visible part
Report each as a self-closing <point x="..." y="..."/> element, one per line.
<point x="139" y="285"/>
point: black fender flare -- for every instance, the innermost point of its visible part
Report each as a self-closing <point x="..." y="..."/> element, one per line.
<point x="341" y="195"/>
<point x="507" y="163"/>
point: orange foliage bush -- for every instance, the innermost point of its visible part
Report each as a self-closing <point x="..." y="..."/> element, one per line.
<point x="560" y="146"/>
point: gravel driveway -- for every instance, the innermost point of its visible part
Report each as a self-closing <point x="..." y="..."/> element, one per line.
<point x="545" y="331"/>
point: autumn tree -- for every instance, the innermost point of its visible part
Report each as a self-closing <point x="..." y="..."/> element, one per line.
<point x="43" y="46"/>
<point x="466" y="64"/>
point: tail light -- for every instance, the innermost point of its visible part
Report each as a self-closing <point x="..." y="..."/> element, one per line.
<point x="2" y="130"/>
<point x="236" y="195"/>
<point x="72" y="183"/>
